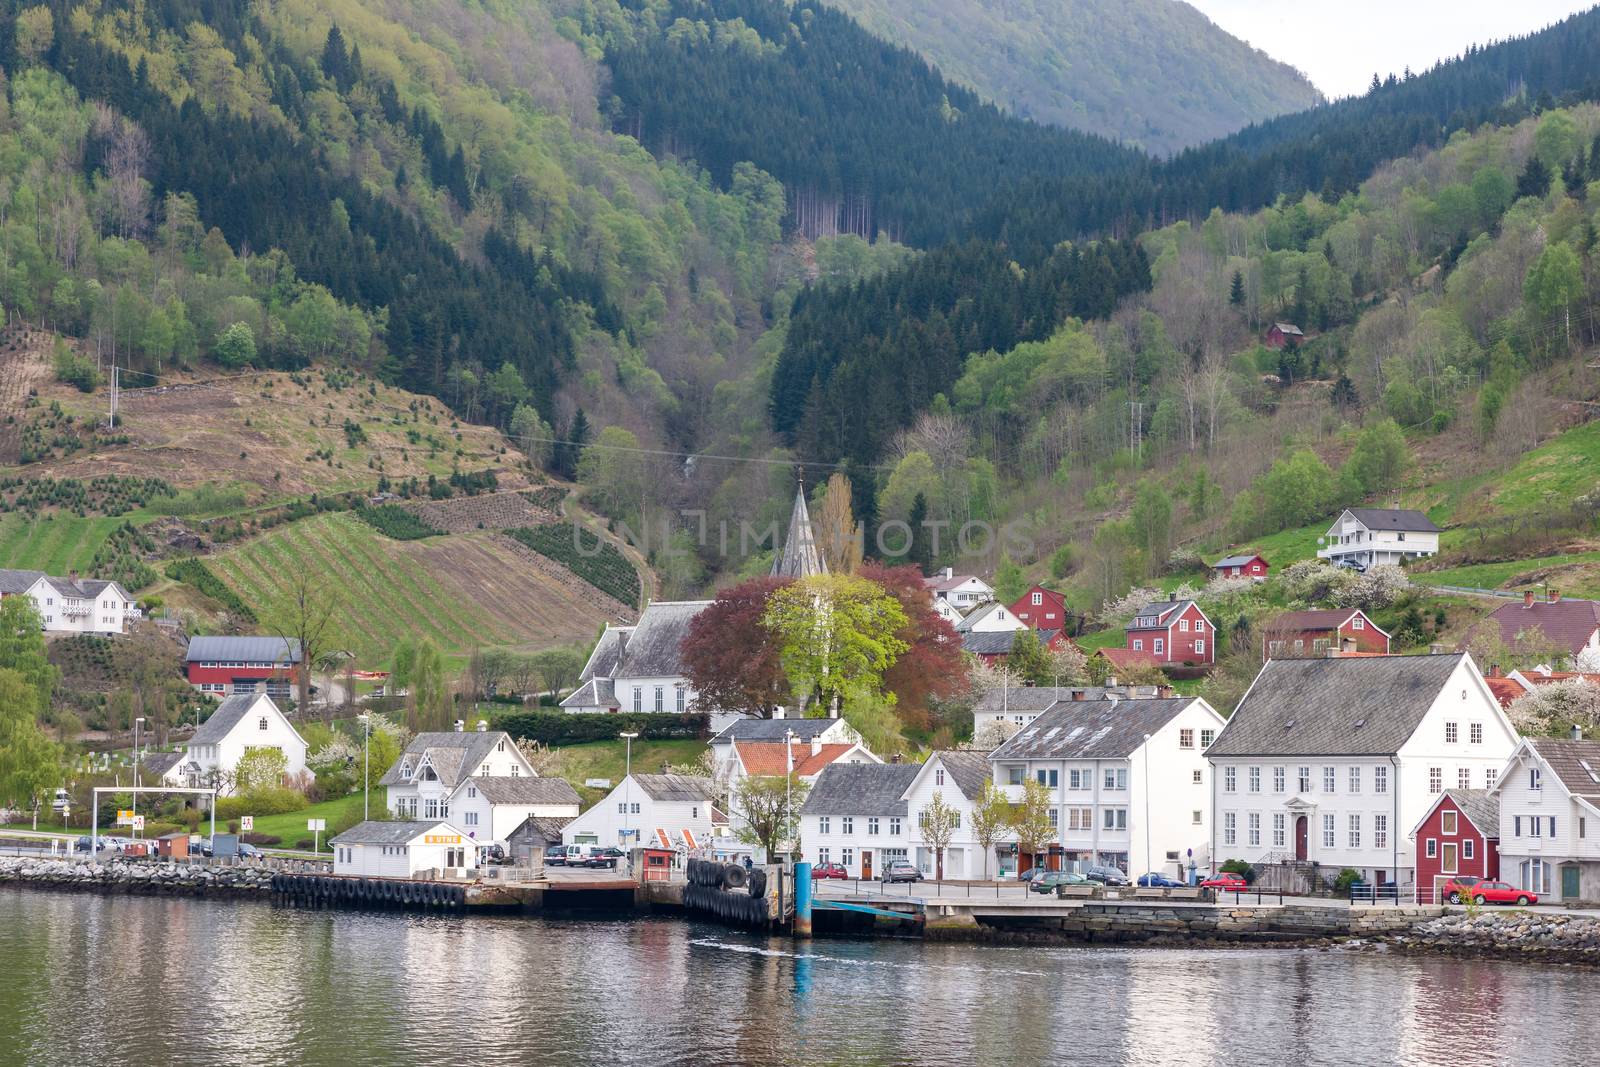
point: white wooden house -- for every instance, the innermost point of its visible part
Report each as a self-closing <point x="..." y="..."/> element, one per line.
<point x="653" y="810"/>
<point x="242" y="722"/>
<point x="73" y="604"/>
<point x="962" y="591"/>
<point x="1549" y="797"/>
<point x="1366" y="537"/>
<point x="956" y="777"/>
<point x="639" y="668"/>
<point x="488" y="808"/>
<point x="435" y="763"/>
<point x="402" y="850"/>
<point x="856" y="816"/>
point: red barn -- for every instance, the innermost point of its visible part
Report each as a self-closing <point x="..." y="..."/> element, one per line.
<point x="1282" y="334"/>
<point x="1241" y="567"/>
<point x="225" y="665"/>
<point x="1041" y="609"/>
<point x="1459" y="836"/>
<point x="1173" y="631"/>
<point x="1299" y="634"/>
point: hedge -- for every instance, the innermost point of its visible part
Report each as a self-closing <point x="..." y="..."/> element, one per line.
<point x="568" y="729"/>
<point x="197" y="574"/>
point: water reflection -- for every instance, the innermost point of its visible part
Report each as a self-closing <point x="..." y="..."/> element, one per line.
<point x="145" y="981"/>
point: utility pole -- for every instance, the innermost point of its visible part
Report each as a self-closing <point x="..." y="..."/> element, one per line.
<point x="115" y="381"/>
<point x="138" y="722"/>
<point x="366" y="763"/>
<point x="627" y="779"/>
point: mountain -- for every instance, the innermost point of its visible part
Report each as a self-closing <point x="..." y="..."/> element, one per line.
<point x="1153" y="73"/>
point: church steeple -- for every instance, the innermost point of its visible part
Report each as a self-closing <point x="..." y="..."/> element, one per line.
<point x="799" y="558"/>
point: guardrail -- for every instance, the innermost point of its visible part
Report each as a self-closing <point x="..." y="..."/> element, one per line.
<point x="1470" y="590"/>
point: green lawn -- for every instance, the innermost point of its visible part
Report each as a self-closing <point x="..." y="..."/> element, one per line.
<point x="1497" y="575"/>
<point x="291" y="827"/>
<point x="1285" y="546"/>
<point x="55" y="542"/>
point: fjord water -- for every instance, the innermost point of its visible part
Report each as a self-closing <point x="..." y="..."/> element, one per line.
<point x="88" y="979"/>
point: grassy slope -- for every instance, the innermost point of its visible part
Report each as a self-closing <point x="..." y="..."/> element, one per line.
<point x="291" y="827"/>
<point x="607" y="759"/>
<point x="56" y="542"/>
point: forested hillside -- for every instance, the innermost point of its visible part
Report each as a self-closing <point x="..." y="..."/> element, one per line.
<point x="1155" y="73"/>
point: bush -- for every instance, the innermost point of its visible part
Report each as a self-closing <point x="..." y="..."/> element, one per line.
<point x="394" y="521"/>
<point x="564" y="729"/>
<point x="1241" y="868"/>
<point x="262" y="802"/>
<point x="75" y="369"/>
<point x="197" y="574"/>
<point x="261" y="840"/>
<point x="1347" y="878"/>
<point x="583" y="553"/>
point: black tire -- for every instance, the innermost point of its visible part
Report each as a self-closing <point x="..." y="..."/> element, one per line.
<point x="1455" y="898"/>
<point x="734" y="876"/>
<point x="758" y="883"/>
<point x="1522" y="902"/>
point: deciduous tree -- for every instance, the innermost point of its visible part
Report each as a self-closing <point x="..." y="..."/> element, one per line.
<point x="732" y="657"/>
<point x="932" y="666"/>
<point x="837" y="636"/>
<point x="991" y="820"/>
<point x="1030" y="819"/>
<point x="937" y="822"/>
<point x="767" y="808"/>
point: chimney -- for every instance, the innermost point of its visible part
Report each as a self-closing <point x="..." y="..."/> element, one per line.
<point x="1527" y="598"/>
<point x="460" y="725"/>
<point x="816" y="746"/>
<point x="1078" y="694"/>
<point x="1554" y="595"/>
<point x="1165" y="692"/>
<point x="1577" y="732"/>
<point x="483" y="726"/>
<point x="895" y="758"/>
<point x="1494" y="670"/>
<point x="779" y="713"/>
<point x="949" y="572"/>
<point x="1111" y="682"/>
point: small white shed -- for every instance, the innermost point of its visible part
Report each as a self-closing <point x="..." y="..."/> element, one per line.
<point x="401" y="849"/>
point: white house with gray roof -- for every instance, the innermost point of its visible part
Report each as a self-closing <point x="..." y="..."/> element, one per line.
<point x="73" y="605"/>
<point x="653" y="810"/>
<point x="1549" y="812"/>
<point x="1127" y="779"/>
<point x="1333" y="761"/>
<point x="402" y="849"/>
<point x="241" y="723"/>
<point x="488" y="808"/>
<point x="639" y="668"/>
<point x="956" y="777"/>
<point x="856" y="815"/>
<point x="1366" y="537"/>
<point x="435" y="763"/>
<point x="1012" y="707"/>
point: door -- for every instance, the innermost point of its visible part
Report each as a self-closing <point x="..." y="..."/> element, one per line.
<point x="866" y="863"/>
<point x="1447" y="858"/>
<point x="1302" y="837"/>
<point x="1569" y="882"/>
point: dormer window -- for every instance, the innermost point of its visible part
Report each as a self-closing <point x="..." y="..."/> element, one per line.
<point x="428" y="775"/>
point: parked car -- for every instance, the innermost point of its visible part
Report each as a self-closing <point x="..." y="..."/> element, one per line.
<point x="1030" y="874"/>
<point x="1459" y="888"/>
<point x="555" y="856"/>
<point x="247" y="851"/>
<point x="1232" y="883"/>
<point x="900" y="871"/>
<point x="84" y="843"/>
<point x="492" y="854"/>
<point x="1106" y="875"/>
<point x="607" y="857"/>
<point x="829" y="870"/>
<point x="1502" y="893"/>
<point x="1153" y="880"/>
<point x="1049" y="880"/>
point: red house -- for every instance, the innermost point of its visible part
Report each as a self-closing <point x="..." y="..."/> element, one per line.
<point x="1299" y="634"/>
<point x="1459" y="836"/>
<point x="1282" y="334"/>
<point x="1041" y="609"/>
<point x="1173" y="631"/>
<point x="993" y="647"/>
<point x="1241" y="567"/>
<point x="226" y="665"/>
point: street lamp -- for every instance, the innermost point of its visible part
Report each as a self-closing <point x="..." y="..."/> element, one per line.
<point x="137" y="723"/>
<point x="1147" y="867"/>
<point x="627" y="782"/>
<point x="788" y="779"/>
<point x="366" y="761"/>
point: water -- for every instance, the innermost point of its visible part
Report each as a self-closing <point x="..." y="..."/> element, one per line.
<point x="88" y="979"/>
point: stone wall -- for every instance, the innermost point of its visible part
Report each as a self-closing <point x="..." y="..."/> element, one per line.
<point x="1568" y="938"/>
<point x="136" y="877"/>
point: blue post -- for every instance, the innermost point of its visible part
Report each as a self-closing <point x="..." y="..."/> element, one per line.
<point x="802" y="900"/>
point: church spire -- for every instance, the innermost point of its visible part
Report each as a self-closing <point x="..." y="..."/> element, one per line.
<point x="799" y="558"/>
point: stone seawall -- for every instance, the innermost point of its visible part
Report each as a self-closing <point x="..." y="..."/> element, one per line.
<point x="139" y="877"/>
<point x="1567" y="938"/>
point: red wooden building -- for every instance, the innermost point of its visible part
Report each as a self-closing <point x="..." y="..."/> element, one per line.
<point x="1282" y="334"/>
<point x="1460" y="835"/>
<point x="1173" y="631"/>
<point x="1300" y="634"/>
<point x="226" y="665"/>
<point x="1251" y="566"/>
<point x="1041" y="609"/>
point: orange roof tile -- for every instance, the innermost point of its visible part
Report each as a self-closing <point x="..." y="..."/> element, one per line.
<point x="1128" y="657"/>
<point x="1505" y="690"/>
<point x="764" y="758"/>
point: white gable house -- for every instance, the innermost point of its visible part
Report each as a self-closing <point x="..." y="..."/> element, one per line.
<point x="639" y="668"/>
<point x="856" y="815"/>
<point x="488" y="808"/>
<point x="434" y="764"/>
<point x="1549" y="799"/>
<point x="1366" y="537"/>
<point x="243" y="722"/>
<point x="72" y="604"/>
<point x="653" y="810"/>
<point x="402" y="850"/>
<point x="956" y="777"/>
<point x="961" y="591"/>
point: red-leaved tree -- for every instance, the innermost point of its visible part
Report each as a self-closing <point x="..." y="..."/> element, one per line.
<point x="932" y="668"/>
<point x="729" y="655"/>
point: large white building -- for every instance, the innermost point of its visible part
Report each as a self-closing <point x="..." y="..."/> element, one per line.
<point x="243" y="722"/>
<point x="488" y="808"/>
<point x="1333" y="761"/>
<point x="956" y="777"/>
<point x="1365" y="537"/>
<point x="73" y="604"/>
<point x="1128" y="779"/>
<point x="435" y="764"/>
<point x="961" y="591"/>
<point x="402" y="850"/>
<point x="653" y="810"/>
<point x="639" y="668"/>
<point x="1549" y="797"/>
<point x="857" y="815"/>
<point x="1015" y="706"/>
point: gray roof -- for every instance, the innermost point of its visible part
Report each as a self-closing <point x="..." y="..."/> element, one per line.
<point x="1289" y="328"/>
<point x="1480" y="806"/>
<point x="14" y="581"/>
<point x="607" y="652"/>
<point x="989" y="642"/>
<point x="861" y="789"/>
<point x="526" y="790"/>
<point x="159" y="763"/>
<point x="543" y="828"/>
<point x="1398" y="519"/>
<point x="448" y="752"/>
<point x="1159" y="610"/>
<point x="773" y="729"/>
<point x="674" y="788"/>
<point x="799" y="558"/>
<point x="651" y="648"/>
<point x="1362" y="706"/>
<point x="1576" y="763"/>
<point x="1090" y="729"/>
<point x="1235" y="561"/>
<point x="244" y="649"/>
<point x="978" y="614"/>
<point x="595" y="693"/>
<point x="374" y="832"/>
<point x="226" y="717"/>
<point x="1024" y="698"/>
<point x="85" y="588"/>
<point x="968" y="768"/>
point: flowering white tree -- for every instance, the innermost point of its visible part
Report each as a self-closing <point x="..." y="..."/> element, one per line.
<point x="1377" y="588"/>
<point x="1574" y="702"/>
<point x="1587" y="661"/>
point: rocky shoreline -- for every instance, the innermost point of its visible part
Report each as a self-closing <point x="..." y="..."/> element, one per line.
<point x="1507" y="934"/>
<point x="136" y="877"/>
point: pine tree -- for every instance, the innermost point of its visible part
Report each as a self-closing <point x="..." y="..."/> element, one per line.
<point x="335" y="61"/>
<point x="921" y="552"/>
<point x="1534" y="179"/>
<point x="1236" y="291"/>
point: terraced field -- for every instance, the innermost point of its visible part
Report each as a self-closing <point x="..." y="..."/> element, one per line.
<point x="463" y="591"/>
<point x="56" y="542"/>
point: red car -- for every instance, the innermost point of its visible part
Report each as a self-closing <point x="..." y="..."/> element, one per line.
<point x="1502" y="893"/>
<point x="828" y="870"/>
<point x="1459" y="888"/>
<point x="1230" y="882"/>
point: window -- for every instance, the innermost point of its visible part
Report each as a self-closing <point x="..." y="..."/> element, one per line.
<point x="822" y="824"/>
<point x="1435" y="780"/>
<point x="1199" y="647"/>
<point x="472" y="791"/>
<point x="1464" y="778"/>
<point x="1583" y="826"/>
<point x="1199" y="626"/>
<point x="660" y="703"/>
<point x="1051" y="778"/>
<point x="1255" y="779"/>
<point x="1358" y="623"/>
<point x="261" y="724"/>
<point x="1014" y="775"/>
<point x="1183" y="625"/>
<point x="822" y="856"/>
<point x="516" y="771"/>
<point x="430" y="809"/>
<point x="1206" y="737"/>
<point x="638" y="699"/>
<point x="1138" y="644"/>
<point x="622" y="807"/>
<point x="1355" y="779"/>
<point x="1036" y="599"/>
<point x="1466" y="848"/>
<point x="1327" y="780"/>
<point x="1380" y="779"/>
<point x="1355" y="831"/>
<point x="847" y="825"/>
<point x="1229" y="779"/>
<point x="682" y="699"/>
<point x="1534" y="779"/>
<point x="1158" y="646"/>
<point x="1255" y="829"/>
<point x="500" y="747"/>
<point x="1197" y="777"/>
<point x="1304" y="776"/>
<point x="1516" y="826"/>
<point x="1116" y="818"/>
<point x="1055" y="818"/>
<point x="1280" y="829"/>
<point x="1196" y="818"/>
<point x="1327" y="831"/>
<point x="1380" y="831"/>
<point x="1278" y="778"/>
<point x="872" y="825"/>
<point x="1433" y="848"/>
<point x="1534" y="824"/>
<point x="633" y="809"/>
<point x="1116" y="778"/>
<point x="1451" y="733"/>
<point x="1447" y="822"/>
<point x="471" y="818"/>
<point x="894" y="826"/>
<point x="1489" y="776"/>
<point x="938" y="776"/>
<point x="1475" y="733"/>
<point x="1228" y="828"/>
<point x="847" y="856"/>
<point x="1186" y="738"/>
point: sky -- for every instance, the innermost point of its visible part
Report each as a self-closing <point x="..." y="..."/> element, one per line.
<point x="1338" y="44"/>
